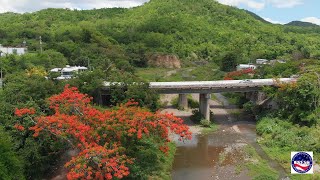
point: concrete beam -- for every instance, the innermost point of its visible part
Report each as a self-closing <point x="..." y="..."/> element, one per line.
<point x="204" y="105"/>
<point x="206" y="91"/>
<point x="183" y="101"/>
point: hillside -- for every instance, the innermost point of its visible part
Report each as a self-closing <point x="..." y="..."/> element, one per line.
<point x="193" y="30"/>
<point x="302" y="24"/>
<point x="257" y="17"/>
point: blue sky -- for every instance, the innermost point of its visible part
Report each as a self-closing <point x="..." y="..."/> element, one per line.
<point x="276" y="11"/>
<point x="282" y="11"/>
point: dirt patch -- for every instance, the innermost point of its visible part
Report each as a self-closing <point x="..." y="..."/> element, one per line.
<point x="166" y="61"/>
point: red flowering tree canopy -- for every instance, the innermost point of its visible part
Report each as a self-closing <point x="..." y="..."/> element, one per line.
<point x="239" y="74"/>
<point x="101" y="135"/>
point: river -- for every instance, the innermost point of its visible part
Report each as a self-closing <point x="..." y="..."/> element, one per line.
<point x="218" y="154"/>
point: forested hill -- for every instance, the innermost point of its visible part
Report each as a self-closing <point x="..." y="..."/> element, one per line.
<point x="191" y="29"/>
<point x="303" y="24"/>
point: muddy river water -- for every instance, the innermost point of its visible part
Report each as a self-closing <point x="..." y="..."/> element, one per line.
<point x="216" y="155"/>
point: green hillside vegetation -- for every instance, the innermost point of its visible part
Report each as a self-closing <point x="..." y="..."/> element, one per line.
<point x="257" y="17"/>
<point x="302" y="24"/>
<point x="193" y="30"/>
<point x="117" y="44"/>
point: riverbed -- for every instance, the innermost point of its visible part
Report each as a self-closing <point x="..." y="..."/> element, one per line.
<point x="218" y="155"/>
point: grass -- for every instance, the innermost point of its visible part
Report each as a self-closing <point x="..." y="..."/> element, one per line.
<point x="236" y="113"/>
<point x="213" y="97"/>
<point x="233" y="98"/>
<point x="207" y="130"/>
<point x="257" y="167"/>
<point x="280" y="137"/>
<point x="151" y="74"/>
<point x="195" y="73"/>
<point x="236" y="98"/>
<point x="284" y="158"/>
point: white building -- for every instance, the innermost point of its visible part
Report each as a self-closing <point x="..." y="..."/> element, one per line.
<point x="281" y="61"/>
<point x="68" y="72"/>
<point x="246" y="66"/>
<point x="12" y="50"/>
<point x="262" y="61"/>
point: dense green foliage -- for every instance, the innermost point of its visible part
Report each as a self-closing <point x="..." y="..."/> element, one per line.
<point x="205" y="35"/>
<point x="301" y="23"/>
<point x="31" y="91"/>
<point x="299" y="102"/>
<point x="280" y="137"/>
<point x="140" y="93"/>
<point x="11" y="167"/>
<point x="190" y="29"/>
<point x="294" y="126"/>
<point x="150" y="162"/>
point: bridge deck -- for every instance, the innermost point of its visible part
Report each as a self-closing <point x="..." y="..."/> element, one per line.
<point x="211" y="86"/>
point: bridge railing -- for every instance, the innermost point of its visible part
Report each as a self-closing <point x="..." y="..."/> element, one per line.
<point x="212" y="84"/>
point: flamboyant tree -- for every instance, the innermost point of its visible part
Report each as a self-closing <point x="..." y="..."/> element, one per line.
<point x="241" y="74"/>
<point x="101" y="136"/>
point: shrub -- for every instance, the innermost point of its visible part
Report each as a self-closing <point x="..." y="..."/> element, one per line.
<point x="264" y="177"/>
<point x="197" y="117"/>
<point x="205" y="123"/>
<point x="192" y="103"/>
<point x="10" y="165"/>
<point x="248" y="107"/>
<point x="139" y="92"/>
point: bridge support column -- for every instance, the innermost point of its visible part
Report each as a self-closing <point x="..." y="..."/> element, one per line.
<point x="183" y="101"/>
<point x="204" y="105"/>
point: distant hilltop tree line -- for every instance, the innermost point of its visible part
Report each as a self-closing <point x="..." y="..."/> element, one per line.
<point x="193" y="30"/>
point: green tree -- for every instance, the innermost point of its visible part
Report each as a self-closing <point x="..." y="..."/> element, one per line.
<point x="229" y="61"/>
<point x="11" y="166"/>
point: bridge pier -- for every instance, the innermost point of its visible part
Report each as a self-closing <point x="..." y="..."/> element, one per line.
<point x="204" y="105"/>
<point x="183" y="101"/>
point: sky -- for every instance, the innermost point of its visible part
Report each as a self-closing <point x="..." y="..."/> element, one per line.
<point x="281" y="11"/>
<point x="275" y="11"/>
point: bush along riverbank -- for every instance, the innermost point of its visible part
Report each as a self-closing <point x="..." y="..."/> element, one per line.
<point x="279" y="137"/>
<point x="295" y="124"/>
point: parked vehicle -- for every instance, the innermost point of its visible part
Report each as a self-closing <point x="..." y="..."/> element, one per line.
<point x="69" y="71"/>
<point x="246" y="81"/>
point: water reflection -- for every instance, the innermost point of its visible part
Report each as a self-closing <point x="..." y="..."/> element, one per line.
<point x="211" y="156"/>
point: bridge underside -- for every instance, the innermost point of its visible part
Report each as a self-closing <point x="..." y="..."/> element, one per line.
<point x="204" y="96"/>
<point x="205" y="89"/>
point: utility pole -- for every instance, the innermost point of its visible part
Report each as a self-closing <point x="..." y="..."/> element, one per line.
<point x="40" y="44"/>
<point x="1" y="75"/>
<point x="89" y="64"/>
<point x="317" y="100"/>
<point x="1" y="81"/>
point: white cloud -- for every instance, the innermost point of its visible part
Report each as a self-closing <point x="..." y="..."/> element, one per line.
<point x="313" y="20"/>
<point x="35" y="5"/>
<point x="272" y="21"/>
<point x="285" y="3"/>
<point x="260" y="4"/>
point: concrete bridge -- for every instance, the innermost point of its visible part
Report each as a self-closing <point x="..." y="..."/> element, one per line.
<point x="206" y="88"/>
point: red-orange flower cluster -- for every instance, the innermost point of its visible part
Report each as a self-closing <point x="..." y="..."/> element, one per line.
<point x="24" y="111"/>
<point x="234" y="74"/>
<point x="99" y="135"/>
<point x="19" y="127"/>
